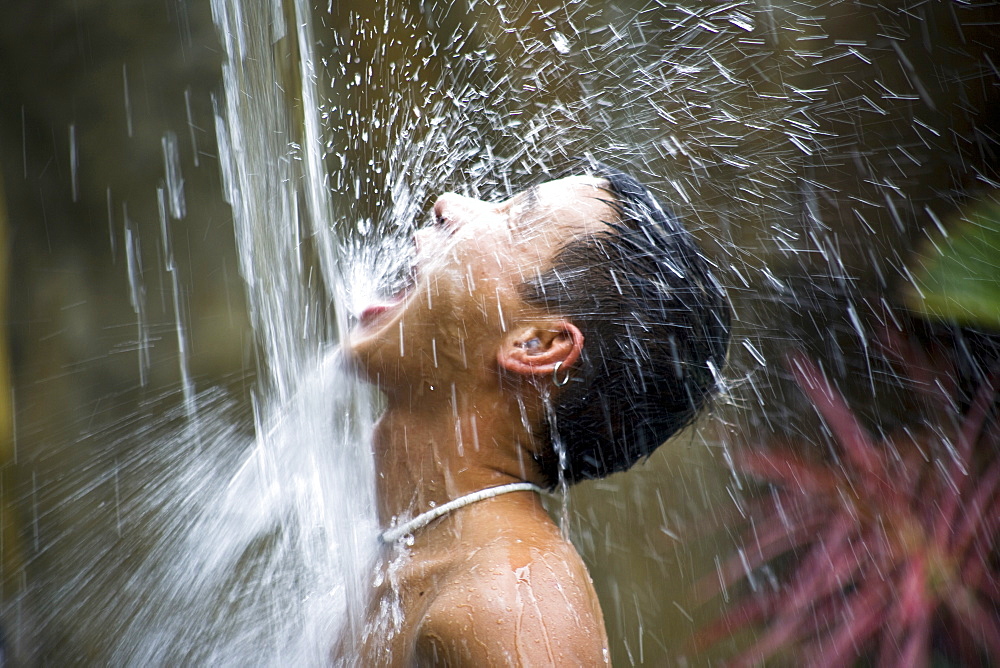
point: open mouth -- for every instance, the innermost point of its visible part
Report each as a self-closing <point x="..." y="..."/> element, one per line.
<point x="400" y="289"/>
<point x="373" y="312"/>
<point x="428" y="242"/>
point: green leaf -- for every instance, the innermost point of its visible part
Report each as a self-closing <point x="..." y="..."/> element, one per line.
<point x="956" y="274"/>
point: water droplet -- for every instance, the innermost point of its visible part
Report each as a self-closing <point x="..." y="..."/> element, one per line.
<point x="560" y="42"/>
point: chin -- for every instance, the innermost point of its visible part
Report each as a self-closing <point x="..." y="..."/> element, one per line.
<point x="361" y="354"/>
<point x="374" y="355"/>
<point x="352" y="360"/>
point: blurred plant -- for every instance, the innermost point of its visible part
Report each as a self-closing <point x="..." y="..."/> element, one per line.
<point x="888" y="553"/>
<point x="956" y="275"/>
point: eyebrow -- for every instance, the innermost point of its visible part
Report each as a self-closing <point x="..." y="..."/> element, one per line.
<point x="531" y="198"/>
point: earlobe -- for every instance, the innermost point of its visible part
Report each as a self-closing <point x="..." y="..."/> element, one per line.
<point x="536" y="350"/>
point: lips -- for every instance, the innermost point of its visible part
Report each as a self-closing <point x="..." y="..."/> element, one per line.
<point x="428" y="241"/>
<point x="373" y="312"/>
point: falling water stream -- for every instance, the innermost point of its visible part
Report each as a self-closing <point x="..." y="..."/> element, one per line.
<point x="283" y="530"/>
<point x="248" y="533"/>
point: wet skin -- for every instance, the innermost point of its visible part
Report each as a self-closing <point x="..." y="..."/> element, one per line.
<point x="493" y="583"/>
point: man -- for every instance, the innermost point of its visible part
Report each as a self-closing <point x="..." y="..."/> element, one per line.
<point x="558" y="336"/>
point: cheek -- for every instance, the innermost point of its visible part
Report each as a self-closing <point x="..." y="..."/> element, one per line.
<point x="461" y="302"/>
<point x="470" y="280"/>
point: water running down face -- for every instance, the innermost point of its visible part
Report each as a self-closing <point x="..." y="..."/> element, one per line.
<point x="463" y="305"/>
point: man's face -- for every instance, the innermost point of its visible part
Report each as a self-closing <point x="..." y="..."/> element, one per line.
<point x="464" y="296"/>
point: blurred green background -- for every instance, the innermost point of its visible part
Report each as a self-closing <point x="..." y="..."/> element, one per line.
<point x="809" y="144"/>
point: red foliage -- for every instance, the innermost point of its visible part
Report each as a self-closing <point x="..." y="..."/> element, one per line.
<point x="894" y="547"/>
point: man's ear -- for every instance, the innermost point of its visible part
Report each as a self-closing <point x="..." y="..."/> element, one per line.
<point x="536" y="349"/>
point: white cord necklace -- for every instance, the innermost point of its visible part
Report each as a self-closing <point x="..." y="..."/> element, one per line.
<point x="393" y="534"/>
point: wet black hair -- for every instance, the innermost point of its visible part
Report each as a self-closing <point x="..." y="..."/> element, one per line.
<point x="656" y="330"/>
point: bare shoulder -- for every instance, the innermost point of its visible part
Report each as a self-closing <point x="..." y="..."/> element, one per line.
<point x="516" y="602"/>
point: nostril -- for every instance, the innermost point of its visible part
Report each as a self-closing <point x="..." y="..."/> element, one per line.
<point x="439" y="207"/>
<point x="441" y="213"/>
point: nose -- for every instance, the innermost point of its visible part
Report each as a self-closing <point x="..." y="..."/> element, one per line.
<point x="452" y="211"/>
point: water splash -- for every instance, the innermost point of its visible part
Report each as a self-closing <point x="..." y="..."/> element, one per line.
<point x="174" y="178"/>
<point x="137" y="294"/>
<point x="261" y="525"/>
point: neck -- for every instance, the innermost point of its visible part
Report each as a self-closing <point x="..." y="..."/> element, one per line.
<point x="430" y="451"/>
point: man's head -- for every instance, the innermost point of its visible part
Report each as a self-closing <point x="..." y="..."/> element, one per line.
<point x="656" y="329"/>
<point x="584" y="277"/>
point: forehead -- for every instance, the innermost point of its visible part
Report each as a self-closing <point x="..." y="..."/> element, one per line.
<point x="576" y="203"/>
<point x="572" y="188"/>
